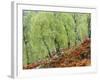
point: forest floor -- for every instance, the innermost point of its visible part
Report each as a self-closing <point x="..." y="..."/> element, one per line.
<point x="75" y="56"/>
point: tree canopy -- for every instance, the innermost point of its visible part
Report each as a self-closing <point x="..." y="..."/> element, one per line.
<point x="45" y="32"/>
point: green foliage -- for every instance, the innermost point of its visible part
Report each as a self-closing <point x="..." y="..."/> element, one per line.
<point x="44" y="32"/>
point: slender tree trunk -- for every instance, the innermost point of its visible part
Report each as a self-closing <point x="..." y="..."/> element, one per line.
<point x="68" y="38"/>
<point x="25" y="41"/>
<point x="45" y="43"/>
<point x="89" y="26"/>
<point x="27" y="55"/>
<point x="77" y="38"/>
<point x="57" y="46"/>
<point x="46" y="46"/>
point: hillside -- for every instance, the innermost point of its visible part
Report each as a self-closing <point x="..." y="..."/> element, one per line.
<point x="75" y="56"/>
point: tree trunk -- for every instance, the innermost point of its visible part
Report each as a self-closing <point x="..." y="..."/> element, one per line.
<point x="68" y="38"/>
<point x="77" y="38"/>
<point x="27" y="55"/>
<point x="89" y="26"/>
<point x="57" y="46"/>
<point x="46" y="46"/>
